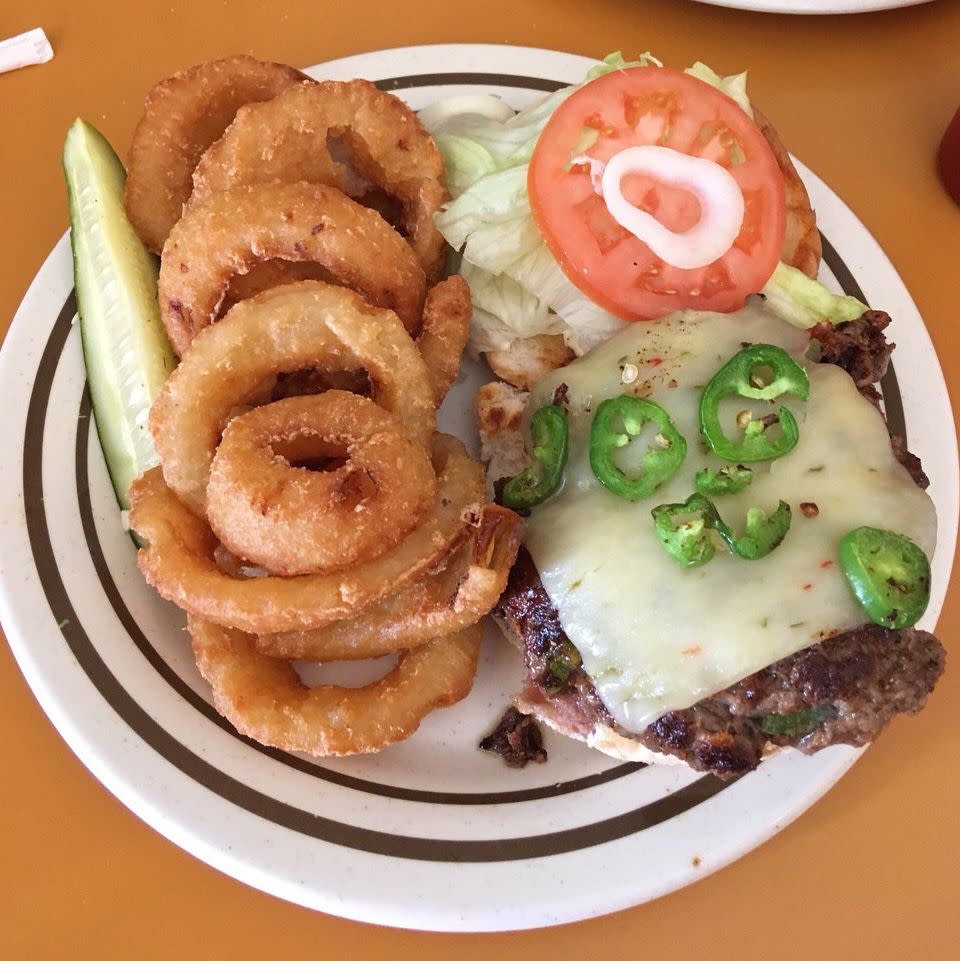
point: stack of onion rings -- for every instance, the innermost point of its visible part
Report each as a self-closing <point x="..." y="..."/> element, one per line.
<point x="289" y="138"/>
<point x="179" y="557"/>
<point x="305" y="507"/>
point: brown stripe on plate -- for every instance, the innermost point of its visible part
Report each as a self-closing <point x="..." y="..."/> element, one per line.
<point x="889" y="387"/>
<point x="469" y="79"/>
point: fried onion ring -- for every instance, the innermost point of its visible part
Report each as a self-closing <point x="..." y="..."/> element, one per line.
<point x="288" y="138"/>
<point x="182" y="116"/>
<point x="291" y="520"/>
<point x="443" y="336"/>
<point x="230" y="232"/>
<point x="179" y="559"/>
<point x="265" y="699"/>
<point x="438" y="603"/>
<point x="268" y="274"/>
<point x="286" y="329"/>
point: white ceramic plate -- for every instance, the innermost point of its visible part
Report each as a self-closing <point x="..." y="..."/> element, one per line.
<point x="431" y="833"/>
<point x="814" y="6"/>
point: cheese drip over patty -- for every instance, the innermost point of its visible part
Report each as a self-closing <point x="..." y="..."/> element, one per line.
<point x="655" y="637"/>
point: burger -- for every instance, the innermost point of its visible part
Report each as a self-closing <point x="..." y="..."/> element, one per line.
<point x="719" y="663"/>
<point x="726" y="552"/>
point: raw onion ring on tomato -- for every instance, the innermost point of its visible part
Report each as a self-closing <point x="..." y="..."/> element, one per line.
<point x="443" y="335"/>
<point x="182" y="116"/>
<point x="440" y="602"/>
<point x="230" y="232"/>
<point x="179" y="556"/>
<point x="265" y="699"/>
<point x="288" y="138"/>
<point x="292" y="520"/>
<point x="283" y="330"/>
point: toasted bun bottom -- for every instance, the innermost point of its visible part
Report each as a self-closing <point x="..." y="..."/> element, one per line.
<point x="603" y="737"/>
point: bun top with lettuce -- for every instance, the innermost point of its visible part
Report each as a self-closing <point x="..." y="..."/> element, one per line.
<point x="523" y="297"/>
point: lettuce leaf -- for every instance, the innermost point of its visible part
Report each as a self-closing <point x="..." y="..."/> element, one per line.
<point x="615" y="61"/>
<point x="734" y="86"/>
<point x="465" y="161"/>
<point x="795" y="298"/>
<point x="508" y="309"/>
<point x="517" y="285"/>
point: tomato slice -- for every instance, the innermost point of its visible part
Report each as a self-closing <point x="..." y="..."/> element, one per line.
<point x="617" y="270"/>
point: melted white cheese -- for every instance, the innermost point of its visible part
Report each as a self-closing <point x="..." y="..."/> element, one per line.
<point x="656" y="637"/>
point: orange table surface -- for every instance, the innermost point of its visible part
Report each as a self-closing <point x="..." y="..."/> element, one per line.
<point x="870" y="871"/>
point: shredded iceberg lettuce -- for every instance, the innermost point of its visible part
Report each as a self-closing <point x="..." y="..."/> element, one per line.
<point x="518" y="288"/>
<point x="734" y="86"/>
<point x="803" y="302"/>
<point x="512" y="307"/>
<point x="491" y="223"/>
<point x="615" y="61"/>
<point x="465" y="161"/>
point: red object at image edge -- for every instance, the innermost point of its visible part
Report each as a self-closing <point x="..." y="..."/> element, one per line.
<point x="949" y="161"/>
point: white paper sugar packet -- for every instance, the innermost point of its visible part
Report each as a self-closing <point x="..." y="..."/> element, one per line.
<point x="25" y="50"/>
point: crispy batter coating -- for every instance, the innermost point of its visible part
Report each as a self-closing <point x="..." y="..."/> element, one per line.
<point x="347" y="134"/>
<point x="231" y="232"/>
<point x="264" y="698"/>
<point x="443" y="601"/>
<point x="286" y="329"/>
<point x="292" y="520"/>
<point x="444" y="332"/>
<point x="182" y="116"/>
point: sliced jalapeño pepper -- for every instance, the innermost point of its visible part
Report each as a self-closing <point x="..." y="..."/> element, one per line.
<point x="550" y="433"/>
<point x="762" y="533"/>
<point x="796" y="723"/>
<point x="727" y="480"/>
<point x="683" y="529"/>
<point x="738" y="378"/>
<point x="888" y="574"/>
<point x="615" y="422"/>
<point x="564" y="660"/>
